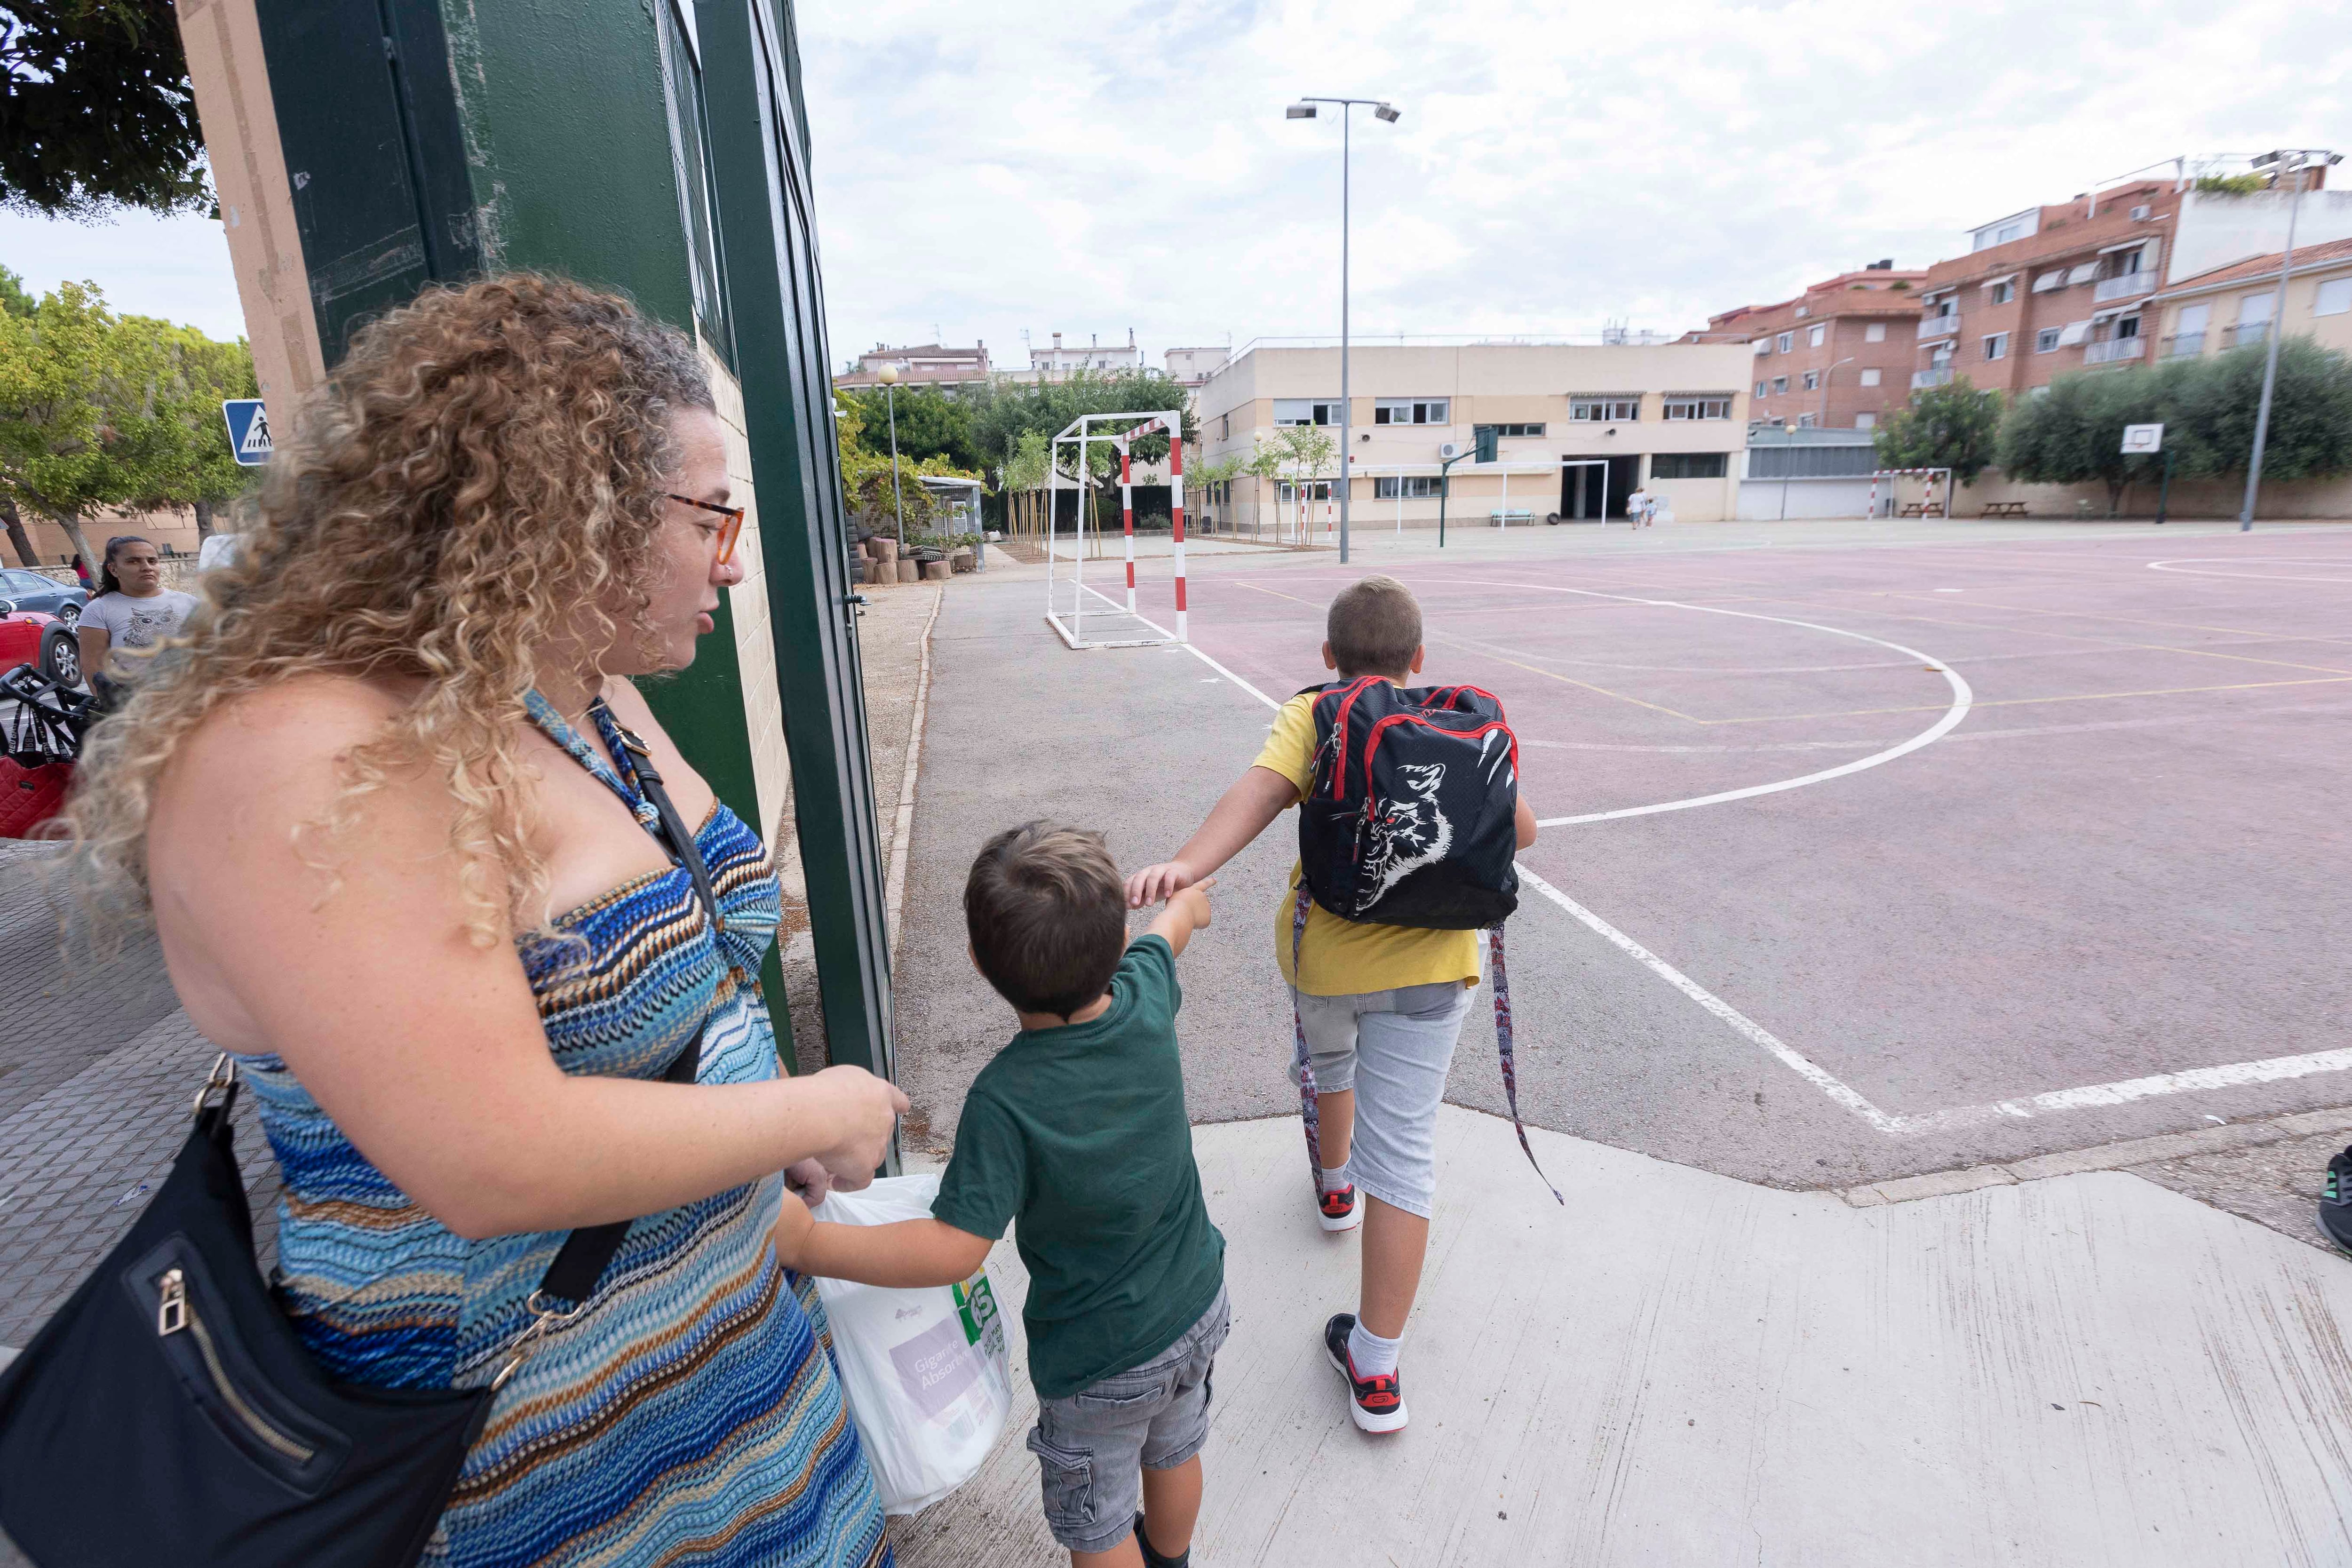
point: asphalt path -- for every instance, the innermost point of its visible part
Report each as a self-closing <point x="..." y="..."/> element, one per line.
<point x="2077" y="860"/>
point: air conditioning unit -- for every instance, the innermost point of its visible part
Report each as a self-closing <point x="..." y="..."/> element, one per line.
<point x="2139" y="214"/>
<point x="1449" y="449"/>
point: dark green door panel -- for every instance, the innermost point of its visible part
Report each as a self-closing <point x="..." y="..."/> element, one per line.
<point x="777" y="310"/>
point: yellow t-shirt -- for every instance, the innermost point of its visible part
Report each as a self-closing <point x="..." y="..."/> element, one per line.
<point x="1342" y="958"/>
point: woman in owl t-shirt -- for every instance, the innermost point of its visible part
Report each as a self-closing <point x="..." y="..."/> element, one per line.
<point x="133" y="611"/>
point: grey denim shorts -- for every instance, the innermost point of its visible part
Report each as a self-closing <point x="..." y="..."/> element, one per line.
<point x="1393" y="1048"/>
<point x="1093" y="1446"/>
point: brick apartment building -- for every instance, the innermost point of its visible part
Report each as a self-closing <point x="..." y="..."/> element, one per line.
<point x="1838" y="356"/>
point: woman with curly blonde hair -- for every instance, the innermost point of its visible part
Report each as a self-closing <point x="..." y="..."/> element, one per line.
<point x="384" y="808"/>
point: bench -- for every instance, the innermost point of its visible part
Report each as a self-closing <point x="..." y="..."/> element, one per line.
<point x="2004" y="508"/>
<point x="1923" y="508"/>
<point x="1500" y="519"/>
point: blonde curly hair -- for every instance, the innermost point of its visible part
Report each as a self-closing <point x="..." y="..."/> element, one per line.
<point x="484" y="469"/>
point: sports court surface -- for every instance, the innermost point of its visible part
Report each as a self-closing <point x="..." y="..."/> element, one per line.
<point x="1869" y="849"/>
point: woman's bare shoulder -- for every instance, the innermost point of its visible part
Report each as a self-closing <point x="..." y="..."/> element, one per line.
<point x="288" y="735"/>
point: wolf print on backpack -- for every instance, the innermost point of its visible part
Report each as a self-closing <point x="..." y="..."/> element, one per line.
<point x="1410" y="816"/>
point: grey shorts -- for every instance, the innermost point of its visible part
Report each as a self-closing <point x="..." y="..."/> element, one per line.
<point x="1393" y="1048"/>
<point x="1093" y="1446"/>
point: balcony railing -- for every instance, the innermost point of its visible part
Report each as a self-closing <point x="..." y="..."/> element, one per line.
<point x="1939" y="326"/>
<point x="2244" y="333"/>
<point x="2112" y="349"/>
<point x="2124" y="285"/>
<point x="2184" y="345"/>
<point x="1920" y="378"/>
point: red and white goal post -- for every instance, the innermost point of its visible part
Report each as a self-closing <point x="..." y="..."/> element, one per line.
<point x="1943" y="508"/>
<point x="1068" y="619"/>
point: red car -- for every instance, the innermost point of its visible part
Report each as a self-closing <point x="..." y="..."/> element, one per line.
<point x="43" y="641"/>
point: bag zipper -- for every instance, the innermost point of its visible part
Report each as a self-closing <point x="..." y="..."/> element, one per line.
<point x="1371" y="745"/>
<point x="174" y="1312"/>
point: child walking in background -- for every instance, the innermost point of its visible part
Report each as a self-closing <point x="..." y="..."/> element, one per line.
<point x="1078" y="1129"/>
<point x="1381" y="1006"/>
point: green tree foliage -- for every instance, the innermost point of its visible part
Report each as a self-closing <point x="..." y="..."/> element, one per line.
<point x="1953" y="427"/>
<point x="99" y="113"/>
<point x="103" y="411"/>
<point x="931" y="424"/>
<point x="2074" y="432"/>
<point x="861" y="423"/>
<point x="1003" y="416"/>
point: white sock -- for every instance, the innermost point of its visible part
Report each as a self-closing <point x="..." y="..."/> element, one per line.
<point x="1334" y="1178"/>
<point x="1374" y="1356"/>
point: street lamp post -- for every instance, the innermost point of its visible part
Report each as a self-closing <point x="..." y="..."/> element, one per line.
<point x="1382" y="110"/>
<point x="889" y="378"/>
<point x="2286" y="161"/>
<point x="1823" y="422"/>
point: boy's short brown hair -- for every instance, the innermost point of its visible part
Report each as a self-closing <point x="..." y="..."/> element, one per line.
<point x="1374" y="627"/>
<point x="1048" y="916"/>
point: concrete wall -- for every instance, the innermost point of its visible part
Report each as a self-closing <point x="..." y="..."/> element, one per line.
<point x="1768" y="501"/>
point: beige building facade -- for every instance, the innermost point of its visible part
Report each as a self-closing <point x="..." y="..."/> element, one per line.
<point x="2238" y="304"/>
<point x="1578" y="428"/>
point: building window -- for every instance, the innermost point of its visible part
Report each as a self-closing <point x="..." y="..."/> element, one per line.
<point x="1409" y="411"/>
<point x="2046" y="340"/>
<point x="1814" y="336"/>
<point x="690" y="162"/>
<point x="1690" y="464"/>
<point x="1604" y="410"/>
<point x="1703" y="405"/>
<point x="2254" y="307"/>
<point x="1812" y="381"/>
<point x="1781" y="344"/>
<point x="1779" y="385"/>
<point x="1759" y="389"/>
<point x="2003" y="292"/>
<point x="1288" y="492"/>
<point x="1509" y="430"/>
<point x="1874" y="334"/>
<point x="1870" y="377"/>
<point x="1405" y="487"/>
<point x="1306" y="411"/>
<point x="1865" y="421"/>
<point x="2127" y="328"/>
<point x="1807" y="421"/>
<point x="1224" y="427"/>
<point x="1996" y="345"/>
<point x="2333" y="298"/>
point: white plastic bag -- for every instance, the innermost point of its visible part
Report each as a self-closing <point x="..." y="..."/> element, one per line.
<point x="925" y="1371"/>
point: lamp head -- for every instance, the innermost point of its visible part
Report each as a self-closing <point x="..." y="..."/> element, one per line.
<point x="887" y="375"/>
<point x="1299" y="111"/>
<point x="1388" y="111"/>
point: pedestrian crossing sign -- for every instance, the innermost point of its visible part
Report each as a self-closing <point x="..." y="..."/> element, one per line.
<point x="248" y="430"/>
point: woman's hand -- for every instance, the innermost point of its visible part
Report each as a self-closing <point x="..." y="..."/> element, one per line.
<point x="808" y="1181"/>
<point x="865" y="1112"/>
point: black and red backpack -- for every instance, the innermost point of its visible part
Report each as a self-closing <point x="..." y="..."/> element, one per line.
<point x="1411" y="818"/>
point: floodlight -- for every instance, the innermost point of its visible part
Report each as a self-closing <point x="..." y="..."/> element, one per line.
<point x="1299" y="111"/>
<point x="1386" y="111"/>
<point x="2266" y="160"/>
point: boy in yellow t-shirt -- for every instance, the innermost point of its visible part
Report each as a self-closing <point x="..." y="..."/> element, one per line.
<point x="1381" y="1007"/>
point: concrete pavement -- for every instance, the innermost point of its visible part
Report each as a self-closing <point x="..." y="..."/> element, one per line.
<point x="1679" y="1368"/>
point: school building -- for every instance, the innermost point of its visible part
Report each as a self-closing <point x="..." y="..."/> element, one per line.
<point x="1578" y="427"/>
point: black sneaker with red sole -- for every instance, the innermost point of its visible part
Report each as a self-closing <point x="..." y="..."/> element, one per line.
<point x="1374" y="1404"/>
<point x="1338" y="1209"/>
<point x="2335" y="1201"/>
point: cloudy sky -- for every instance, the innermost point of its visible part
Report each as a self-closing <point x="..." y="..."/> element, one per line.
<point x="990" y="169"/>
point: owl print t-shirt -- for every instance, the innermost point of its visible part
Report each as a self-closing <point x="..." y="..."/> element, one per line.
<point x="1346" y="958"/>
<point x="136" y="623"/>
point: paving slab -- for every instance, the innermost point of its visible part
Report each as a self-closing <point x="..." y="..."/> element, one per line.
<point x="1679" y="1367"/>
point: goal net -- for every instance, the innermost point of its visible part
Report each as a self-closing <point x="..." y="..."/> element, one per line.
<point x="1098" y="614"/>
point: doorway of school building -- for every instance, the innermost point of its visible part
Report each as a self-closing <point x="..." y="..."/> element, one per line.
<point x="1592" y="489"/>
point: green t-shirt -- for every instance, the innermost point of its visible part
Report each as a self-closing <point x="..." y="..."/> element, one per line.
<point x="1080" y="1133"/>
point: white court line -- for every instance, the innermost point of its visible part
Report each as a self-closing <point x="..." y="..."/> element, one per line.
<point x="1961" y="697"/>
<point x="2230" y="1076"/>
<point x="2182" y="565"/>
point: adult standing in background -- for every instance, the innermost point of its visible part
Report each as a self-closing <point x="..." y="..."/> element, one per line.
<point x="389" y="809"/>
<point x="132" y="612"/>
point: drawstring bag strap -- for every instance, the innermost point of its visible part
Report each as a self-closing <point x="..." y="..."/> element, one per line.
<point x="1304" y="1063"/>
<point x="1503" y="1048"/>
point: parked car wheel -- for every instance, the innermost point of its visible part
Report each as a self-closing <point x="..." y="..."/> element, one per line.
<point x="61" y="656"/>
<point x="69" y="616"/>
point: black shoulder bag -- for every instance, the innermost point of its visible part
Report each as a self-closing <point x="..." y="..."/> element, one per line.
<point x="168" y="1414"/>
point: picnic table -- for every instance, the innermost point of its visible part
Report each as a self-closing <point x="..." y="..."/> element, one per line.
<point x="1923" y="508"/>
<point x="2004" y="508"/>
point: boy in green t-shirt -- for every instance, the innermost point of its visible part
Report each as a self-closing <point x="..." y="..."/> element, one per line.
<point x="1381" y="1007"/>
<point x="1078" y="1129"/>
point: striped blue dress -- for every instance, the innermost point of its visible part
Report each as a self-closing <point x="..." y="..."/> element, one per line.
<point x="691" y="1415"/>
